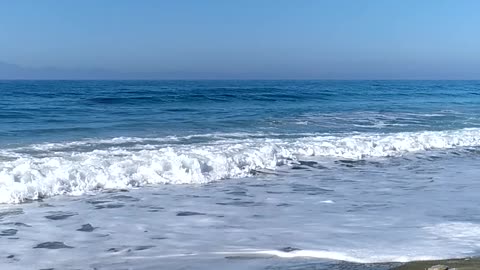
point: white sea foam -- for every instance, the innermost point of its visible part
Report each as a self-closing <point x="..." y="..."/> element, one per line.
<point x="351" y="256"/>
<point x="460" y="233"/>
<point x="327" y="201"/>
<point x="77" y="167"/>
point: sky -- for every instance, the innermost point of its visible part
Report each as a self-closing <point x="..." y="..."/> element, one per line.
<point x="247" y="39"/>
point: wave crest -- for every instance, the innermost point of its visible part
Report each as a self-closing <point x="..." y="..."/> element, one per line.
<point x="46" y="170"/>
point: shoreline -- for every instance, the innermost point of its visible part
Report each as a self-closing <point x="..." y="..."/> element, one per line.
<point x="457" y="264"/>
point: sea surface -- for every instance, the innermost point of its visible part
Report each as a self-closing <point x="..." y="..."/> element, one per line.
<point x="238" y="174"/>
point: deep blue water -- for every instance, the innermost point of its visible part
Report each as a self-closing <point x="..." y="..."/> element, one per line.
<point x="237" y="174"/>
<point x="39" y="111"/>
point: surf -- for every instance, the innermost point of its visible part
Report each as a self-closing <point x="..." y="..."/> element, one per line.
<point x="74" y="168"/>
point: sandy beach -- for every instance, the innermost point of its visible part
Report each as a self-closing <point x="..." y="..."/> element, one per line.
<point x="458" y="264"/>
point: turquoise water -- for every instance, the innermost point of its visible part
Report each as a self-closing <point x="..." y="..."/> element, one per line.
<point x="195" y="174"/>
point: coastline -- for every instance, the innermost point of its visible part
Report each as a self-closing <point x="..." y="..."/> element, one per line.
<point x="457" y="264"/>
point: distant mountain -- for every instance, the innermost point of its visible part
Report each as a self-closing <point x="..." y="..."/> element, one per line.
<point x="9" y="70"/>
<point x="15" y="72"/>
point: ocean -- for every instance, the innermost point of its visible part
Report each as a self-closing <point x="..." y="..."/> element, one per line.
<point x="238" y="174"/>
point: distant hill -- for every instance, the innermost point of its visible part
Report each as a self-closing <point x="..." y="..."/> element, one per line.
<point x="15" y="72"/>
<point x="9" y="70"/>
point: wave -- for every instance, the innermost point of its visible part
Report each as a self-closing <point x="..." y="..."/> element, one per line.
<point x="350" y="256"/>
<point x="440" y="241"/>
<point x="74" y="168"/>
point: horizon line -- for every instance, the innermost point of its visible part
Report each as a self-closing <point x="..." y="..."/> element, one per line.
<point x="243" y="79"/>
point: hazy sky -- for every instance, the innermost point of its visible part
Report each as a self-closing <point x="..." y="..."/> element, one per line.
<point x="335" y="39"/>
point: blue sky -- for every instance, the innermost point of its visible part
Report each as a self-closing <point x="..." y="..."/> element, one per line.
<point x="279" y="39"/>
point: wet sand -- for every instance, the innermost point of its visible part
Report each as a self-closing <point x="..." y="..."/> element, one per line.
<point x="458" y="264"/>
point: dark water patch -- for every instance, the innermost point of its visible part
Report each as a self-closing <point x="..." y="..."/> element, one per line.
<point x="310" y="190"/>
<point x="180" y="110"/>
<point x="351" y="162"/>
<point x="283" y="204"/>
<point x="367" y="206"/>
<point x="433" y="158"/>
<point x="289" y="249"/>
<point x="249" y="256"/>
<point x="42" y="205"/>
<point x="11" y="212"/>
<point x="311" y="164"/>
<point x="116" y="190"/>
<point x="47" y="269"/>
<point x="52" y="245"/>
<point x="60" y="215"/>
<point x="240" y="203"/>
<point x="39" y="198"/>
<point x="119" y="249"/>
<point x="296" y="167"/>
<point x="314" y="193"/>
<point x="18" y="224"/>
<point x="198" y="196"/>
<point x="10" y="256"/>
<point x="139" y="248"/>
<point x="240" y="193"/>
<point x="109" y="206"/>
<point x="8" y="232"/>
<point x="307" y="163"/>
<point x="260" y="185"/>
<point x="160" y="194"/>
<point x="95" y="202"/>
<point x="86" y="228"/>
<point x="125" y="198"/>
<point x="151" y="208"/>
<point x="158" y="238"/>
<point x="263" y="172"/>
<point x="475" y="150"/>
<point x="189" y="213"/>
<point x="275" y="192"/>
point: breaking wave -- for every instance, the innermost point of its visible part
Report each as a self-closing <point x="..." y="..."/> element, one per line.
<point x="74" y="168"/>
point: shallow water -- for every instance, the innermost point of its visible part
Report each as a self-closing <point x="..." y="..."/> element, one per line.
<point x="237" y="175"/>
